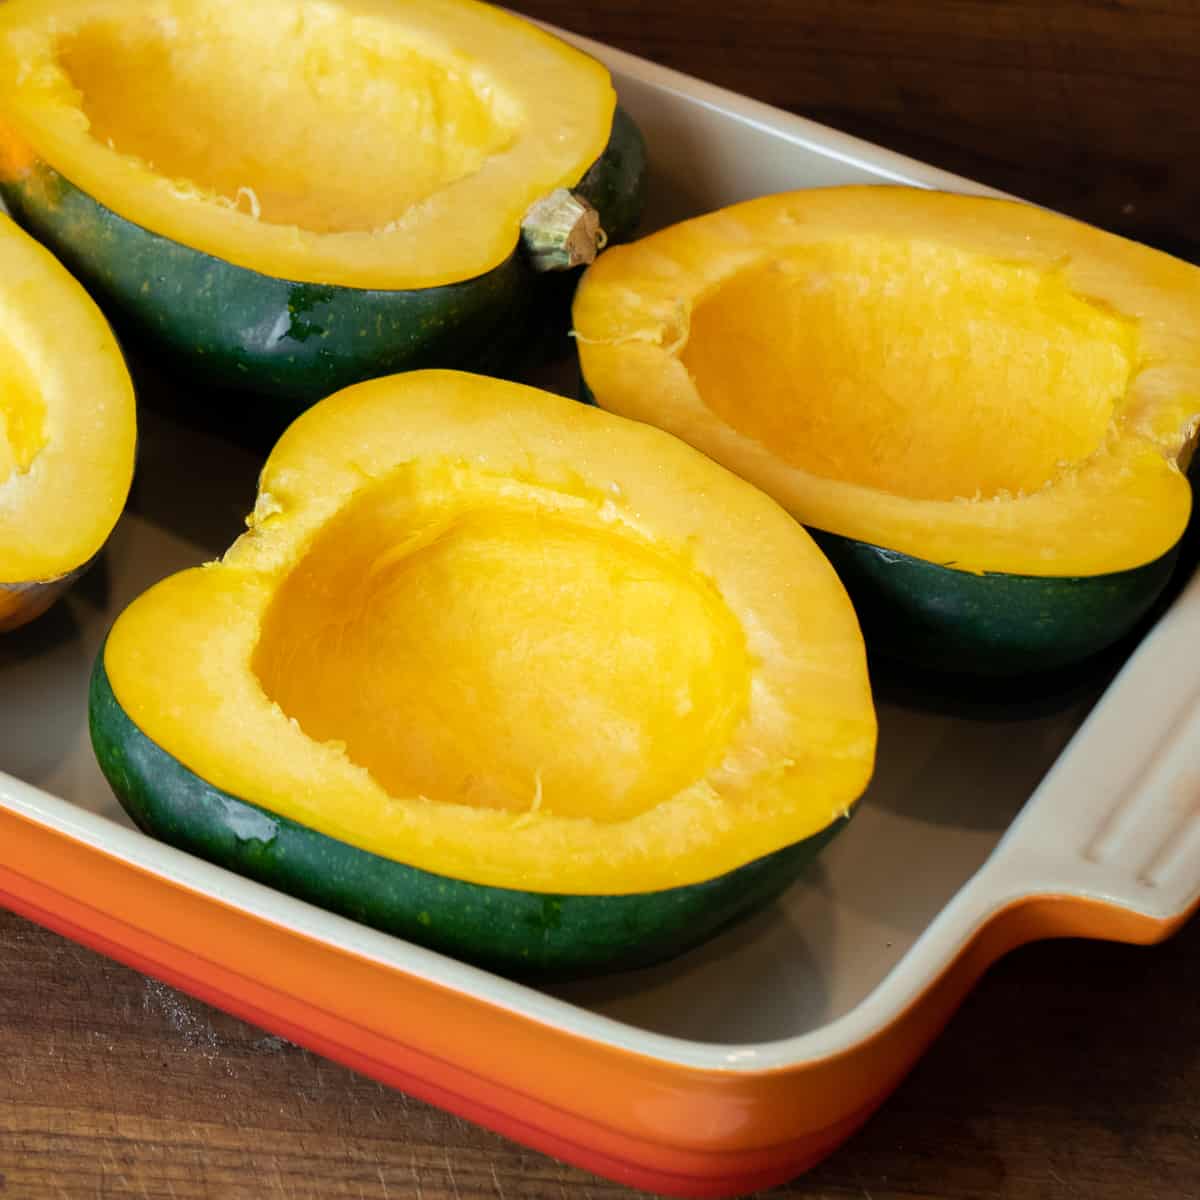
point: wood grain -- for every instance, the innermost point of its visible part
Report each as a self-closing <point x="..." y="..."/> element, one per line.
<point x="1072" y="1073"/>
<point x="1089" y="106"/>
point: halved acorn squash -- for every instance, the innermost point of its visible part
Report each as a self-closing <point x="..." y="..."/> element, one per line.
<point x="500" y="673"/>
<point x="983" y="410"/>
<point x="67" y="428"/>
<point x="291" y="196"/>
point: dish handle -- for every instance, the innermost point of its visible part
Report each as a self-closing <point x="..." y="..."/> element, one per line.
<point x="1109" y="845"/>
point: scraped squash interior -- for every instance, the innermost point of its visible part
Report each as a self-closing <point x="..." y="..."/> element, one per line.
<point x="354" y="142"/>
<point x="302" y="118"/>
<point x="916" y="368"/>
<point x="511" y="639"/>
<point x="490" y="653"/>
<point x="970" y="381"/>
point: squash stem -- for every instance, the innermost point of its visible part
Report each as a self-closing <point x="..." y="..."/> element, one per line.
<point x="560" y="231"/>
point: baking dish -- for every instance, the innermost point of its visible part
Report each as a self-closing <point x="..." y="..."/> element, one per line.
<point x="993" y="820"/>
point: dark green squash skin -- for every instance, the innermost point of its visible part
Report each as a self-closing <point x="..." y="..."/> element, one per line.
<point x="932" y="616"/>
<point x="615" y="184"/>
<point x="519" y="933"/>
<point x="995" y="624"/>
<point x="237" y="328"/>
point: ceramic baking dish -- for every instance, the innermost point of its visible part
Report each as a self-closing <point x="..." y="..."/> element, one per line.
<point x="992" y="821"/>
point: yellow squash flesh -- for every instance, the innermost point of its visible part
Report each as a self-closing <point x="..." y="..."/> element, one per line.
<point x="507" y="638"/>
<point x="67" y="428"/>
<point x="968" y="381"/>
<point x="365" y="143"/>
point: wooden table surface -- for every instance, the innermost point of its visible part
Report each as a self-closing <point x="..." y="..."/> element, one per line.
<point x="1074" y="1069"/>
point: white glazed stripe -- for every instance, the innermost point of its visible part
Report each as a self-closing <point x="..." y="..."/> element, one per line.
<point x="1180" y="857"/>
<point x="1150" y="822"/>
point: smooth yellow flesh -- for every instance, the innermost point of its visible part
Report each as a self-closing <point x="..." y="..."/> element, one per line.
<point x="371" y="129"/>
<point x="978" y="383"/>
<point x="911" y="367"/>
<point x="490" y="654"/>
<point x="67" y="423"/>
<point x="22" y="413"/>
<point x="505" y="637"/>
<point x="364" y="142"/>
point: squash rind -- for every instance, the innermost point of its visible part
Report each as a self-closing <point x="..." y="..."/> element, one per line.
<point x="930" y="615"/>
<point x="615" y="184"/>
<point x="988" y="623"/>
<point x="792" y="735"/>
<point x="500" y="928"/>
<point x="296" y="341"/>
<point x="1005" y="584"/>
<point x="633" y="323"/>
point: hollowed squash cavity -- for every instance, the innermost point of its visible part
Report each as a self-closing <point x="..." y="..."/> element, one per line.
<point x="911" y="367"/>
<point x="499" y="636"/>
<point x="320" y="124"/>
<point x="973" y="383"/>
<point x="358" y="143"/>
<point x="497" y="655"/>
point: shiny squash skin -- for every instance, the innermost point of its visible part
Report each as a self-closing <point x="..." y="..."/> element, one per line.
<point x="523" y="933"/>
<point x="237" y="328"/>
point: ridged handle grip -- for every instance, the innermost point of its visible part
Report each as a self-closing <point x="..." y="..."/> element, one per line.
<point x="1117" y="820"/>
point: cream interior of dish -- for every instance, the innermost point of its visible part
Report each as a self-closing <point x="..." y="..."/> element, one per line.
<point x="300" y="114"/>
<point x="911" y="367"/>
<point x="22" y="413"/>
<point x="490" y="651"/>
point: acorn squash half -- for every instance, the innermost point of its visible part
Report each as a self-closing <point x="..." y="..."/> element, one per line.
<point x="291" y="195"/>
<point x="67" y="428"/>
<point x="500" y="673"/>
<point x="984" y="411"/>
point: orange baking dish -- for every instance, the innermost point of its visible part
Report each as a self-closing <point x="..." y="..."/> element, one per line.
<point x="991" y="822"/>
